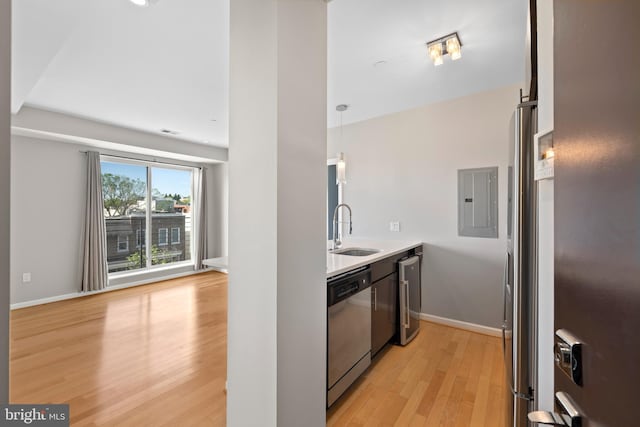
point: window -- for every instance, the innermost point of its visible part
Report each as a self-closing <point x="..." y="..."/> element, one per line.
<point x="123" y="243"/>
<point x="163" y="237"/>
<point x="175" y="236"/>
<point x="140" y="238"/>
<point x="149" y="204"/>
<point x="334" y="195"/>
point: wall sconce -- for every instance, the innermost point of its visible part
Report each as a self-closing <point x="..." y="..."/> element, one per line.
<point x="449" y="44"/>
<point x="341" y="170"/>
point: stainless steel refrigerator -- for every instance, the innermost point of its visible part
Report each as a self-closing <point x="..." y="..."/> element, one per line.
<point x="519" y="332"/>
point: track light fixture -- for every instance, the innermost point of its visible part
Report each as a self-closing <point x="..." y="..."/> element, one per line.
<point x="449" y="44"/>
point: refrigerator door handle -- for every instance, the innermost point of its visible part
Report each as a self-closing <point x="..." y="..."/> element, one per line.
<point x="505" y="283"/>
<point x="505" y="292"/>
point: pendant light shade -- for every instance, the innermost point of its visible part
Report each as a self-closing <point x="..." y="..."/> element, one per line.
<point x="341" y="170"/>
<point x="341" y="165"/>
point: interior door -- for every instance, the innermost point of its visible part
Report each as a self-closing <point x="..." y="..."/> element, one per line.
<point x="597" y="203"/>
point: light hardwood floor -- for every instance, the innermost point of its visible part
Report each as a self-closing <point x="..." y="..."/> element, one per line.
<point x="152" y="355"/>
<point x="445" y="377"/>
<point x="155" y="355"/>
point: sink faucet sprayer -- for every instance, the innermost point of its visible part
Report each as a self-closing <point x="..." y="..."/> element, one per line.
<point x="336" y="241"/>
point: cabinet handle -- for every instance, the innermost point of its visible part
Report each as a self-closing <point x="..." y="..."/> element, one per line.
<point x="375" y="299"/>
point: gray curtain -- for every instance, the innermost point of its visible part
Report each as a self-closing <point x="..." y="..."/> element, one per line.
<point x="200" y="217"/>
<point x="94" y="262"/>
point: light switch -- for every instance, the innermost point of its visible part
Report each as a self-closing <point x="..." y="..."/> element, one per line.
<point x="26" y="277"/>
<point x="394" y="226"/>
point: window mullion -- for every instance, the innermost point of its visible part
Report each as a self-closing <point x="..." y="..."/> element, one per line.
<point x="149" y="235"/>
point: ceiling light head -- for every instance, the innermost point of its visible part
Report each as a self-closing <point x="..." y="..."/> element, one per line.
<point x="435" y="53"/>
<point x="342" y="107"/>
<point x="453" y="48"/>
<point x="449" y="44"/>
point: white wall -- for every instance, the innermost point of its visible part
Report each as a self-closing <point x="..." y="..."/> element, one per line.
<point x="545" y="212"/>
<point x="403" y="167"/>
<point x="47" y="204"/>
<point x="5" y="178"/>
<point x="217" y="205"/>
<point x="276" y="359"/>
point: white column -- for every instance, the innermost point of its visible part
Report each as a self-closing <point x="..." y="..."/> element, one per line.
<point x="5" y="168"/>
<point x="546" y="331"/>
<point x="277" y="202"/>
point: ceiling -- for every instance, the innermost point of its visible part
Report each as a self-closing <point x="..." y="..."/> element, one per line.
<point x="166" y="66"/>
<point x="363" y="32"/>
<point x="147" y="68"/>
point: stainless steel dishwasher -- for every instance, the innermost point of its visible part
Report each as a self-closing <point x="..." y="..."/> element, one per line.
<point x="348" y="330"/>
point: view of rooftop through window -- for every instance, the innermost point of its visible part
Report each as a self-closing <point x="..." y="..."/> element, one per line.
<point x="136" y="194"/>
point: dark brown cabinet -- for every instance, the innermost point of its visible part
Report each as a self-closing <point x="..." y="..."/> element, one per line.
<point x="384" y="297"/>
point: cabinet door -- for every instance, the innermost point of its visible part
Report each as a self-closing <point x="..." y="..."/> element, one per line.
<point x="383" y="311"/>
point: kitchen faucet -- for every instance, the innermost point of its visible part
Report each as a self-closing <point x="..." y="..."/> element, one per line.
<point x="336" y="241"/>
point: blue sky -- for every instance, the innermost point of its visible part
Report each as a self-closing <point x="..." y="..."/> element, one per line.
<point x="167" y="181"/>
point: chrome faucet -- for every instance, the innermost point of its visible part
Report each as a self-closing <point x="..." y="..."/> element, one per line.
<point x="336" y="240"/>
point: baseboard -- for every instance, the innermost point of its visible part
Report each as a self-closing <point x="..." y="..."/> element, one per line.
<point x="481" y="329"/>
<point x="47" y="300"/>
<point x="57" y="298"/>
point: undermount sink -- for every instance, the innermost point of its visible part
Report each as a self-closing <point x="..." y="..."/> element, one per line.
<point x="356" y="251"/>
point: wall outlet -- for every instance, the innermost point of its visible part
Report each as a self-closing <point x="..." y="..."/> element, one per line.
<point x="394" y="226"/>
<point x="26" y="277"/>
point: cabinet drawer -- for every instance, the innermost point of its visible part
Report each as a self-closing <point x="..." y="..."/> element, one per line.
<point x="385" y="267"/>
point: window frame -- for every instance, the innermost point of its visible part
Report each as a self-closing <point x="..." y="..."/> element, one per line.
<point x="149" y="165"/>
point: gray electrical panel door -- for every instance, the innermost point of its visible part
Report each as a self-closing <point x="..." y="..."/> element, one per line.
<point x="478" y="202"/>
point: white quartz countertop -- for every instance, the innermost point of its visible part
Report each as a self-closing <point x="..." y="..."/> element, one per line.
<point x="338" y="264"/>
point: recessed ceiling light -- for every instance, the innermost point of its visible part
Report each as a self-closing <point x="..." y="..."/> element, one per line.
<point x="379" y="63"/>
<point x="143" y="3"/>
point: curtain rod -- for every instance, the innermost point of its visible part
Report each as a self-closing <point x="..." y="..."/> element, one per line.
<point x="141" y="160"/>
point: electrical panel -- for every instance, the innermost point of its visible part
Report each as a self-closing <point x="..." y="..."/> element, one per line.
<point x="478" y="202"/>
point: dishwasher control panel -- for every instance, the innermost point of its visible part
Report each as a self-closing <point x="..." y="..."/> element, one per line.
<point x="342" y="287"/>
